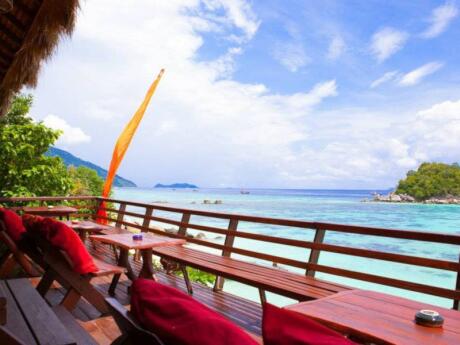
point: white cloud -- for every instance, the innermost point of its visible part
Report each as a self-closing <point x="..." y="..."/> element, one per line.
<point x="71" y="135"/>
<point x="387" y="42"/>
<point x="388" y="76"/>
<point x="205" y="127"/>
<point x="440" y="19"/>
<point x="336" y="48"/>
<point x="416" y="76"/>
<point x="291" y="55"/>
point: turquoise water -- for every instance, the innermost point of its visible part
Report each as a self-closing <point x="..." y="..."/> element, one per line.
<point x="328" y="206"/>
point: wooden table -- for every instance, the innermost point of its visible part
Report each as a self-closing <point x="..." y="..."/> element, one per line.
<point x="381" y="318"/>
<point x="29" y="318"/>
<point x="85" y="227"/>
<point x="125" y="242"/>
<point x="54" y="211"/>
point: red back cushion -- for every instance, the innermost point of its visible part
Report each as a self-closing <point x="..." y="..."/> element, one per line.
<point x="286" y="327"/>
<point x="64" y="238"/>
<point x="13" y="224"/>
<point x="178" y="319"/>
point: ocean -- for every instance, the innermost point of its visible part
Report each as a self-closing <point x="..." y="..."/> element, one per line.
<point x="335" y="206"/>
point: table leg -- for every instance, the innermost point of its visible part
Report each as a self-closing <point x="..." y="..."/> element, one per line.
<point x="123" y="261"/>
<point x="147" y="266"/>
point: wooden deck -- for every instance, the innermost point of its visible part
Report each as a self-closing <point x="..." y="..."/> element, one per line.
<point x="244" y="313"/>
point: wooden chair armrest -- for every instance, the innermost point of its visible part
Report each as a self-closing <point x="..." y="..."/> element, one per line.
<point x="129" y="326"/>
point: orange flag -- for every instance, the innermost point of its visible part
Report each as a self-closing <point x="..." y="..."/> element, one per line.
<point x="122" y="146"/>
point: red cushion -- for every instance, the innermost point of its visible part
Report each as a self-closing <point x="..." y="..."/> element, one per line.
<point x="65" y="238"/>
<point x="13" y="224"/>
<point x="177" y="319"/>
<point x="286" y="327"/>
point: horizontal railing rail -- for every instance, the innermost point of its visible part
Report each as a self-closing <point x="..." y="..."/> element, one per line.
<point x="121" y="213"/>
<point x="316" y="246"/>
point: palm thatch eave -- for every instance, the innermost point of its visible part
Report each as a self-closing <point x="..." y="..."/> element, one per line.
<point x="29" y="35"/>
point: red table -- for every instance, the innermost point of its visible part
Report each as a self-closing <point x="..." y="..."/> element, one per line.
<point x="51" y="211"/>
<point x="381" y="318"/>
<point x="125" y="242"/>
<point x="85" y="227"/>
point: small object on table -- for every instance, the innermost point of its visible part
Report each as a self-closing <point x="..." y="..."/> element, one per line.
<point x="75" y="222"/>
<point x="137" y="237"/>
<point x="428" y="318"/>
<point x="50" y="207"/>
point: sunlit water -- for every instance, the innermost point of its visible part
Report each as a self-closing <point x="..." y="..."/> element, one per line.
<point x="327" y="206"/>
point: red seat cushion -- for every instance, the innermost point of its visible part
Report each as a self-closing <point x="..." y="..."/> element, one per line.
<point x="177" y="319"/>
<point x="13" y="224"/>
<point x="286" y="327"/>
<point x="64" y="238"/>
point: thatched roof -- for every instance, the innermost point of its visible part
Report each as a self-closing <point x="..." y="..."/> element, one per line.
<point x="29" y="33"/>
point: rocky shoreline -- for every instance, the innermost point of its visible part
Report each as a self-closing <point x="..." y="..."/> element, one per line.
<point x="404" y="198"/>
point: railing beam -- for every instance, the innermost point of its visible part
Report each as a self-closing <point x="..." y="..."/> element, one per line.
<point x="229" y="241"/>
<point x="314" y="253"/>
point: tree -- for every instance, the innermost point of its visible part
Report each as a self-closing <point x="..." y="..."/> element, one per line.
<point x="25" y="171"/>
<point x="86" y="181"/>
<point x="431" y="180"/>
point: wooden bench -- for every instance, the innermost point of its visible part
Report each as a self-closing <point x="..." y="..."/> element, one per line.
<point x="30" y="320"/>
<point x="296" y="286"/>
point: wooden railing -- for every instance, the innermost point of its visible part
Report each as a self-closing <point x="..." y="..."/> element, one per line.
<point x="123" y="213"/>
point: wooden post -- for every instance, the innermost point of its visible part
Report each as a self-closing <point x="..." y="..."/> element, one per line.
<point x="314" y="253"/>
<point x="229" y="240"/>
<point x="457" y="287"/>
<point x="183" y="228"/>
<point x="145" y="224"/>
<point x="121" y="215"/>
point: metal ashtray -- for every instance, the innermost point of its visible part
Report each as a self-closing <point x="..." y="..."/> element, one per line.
<point x="429" y="318"/>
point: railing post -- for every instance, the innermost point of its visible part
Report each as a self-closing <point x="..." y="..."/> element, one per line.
<point x="121" y="215"/>
<point x="229" y="240"/>
<point x="183" y="228"/>
<point x="314" y="253"/>
<point x="97" y="205"/>
<point x="145" y="224"/>
<point x="457" y="287"/>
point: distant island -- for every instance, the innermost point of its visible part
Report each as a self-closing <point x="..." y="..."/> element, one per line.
<point x="175" y="185"/>
<point x="432" y="183"/>
<point x="70" y="159"/>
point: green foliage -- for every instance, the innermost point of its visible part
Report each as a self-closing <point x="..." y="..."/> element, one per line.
<point x="200" y="276"/>
<point x="25" y="170"/>
<point x="86" y="181"/>
<point x="431" y="180"/>
<point x="17" y="114"/>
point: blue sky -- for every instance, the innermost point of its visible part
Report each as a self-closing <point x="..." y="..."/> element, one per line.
<point x="289" y="94"/>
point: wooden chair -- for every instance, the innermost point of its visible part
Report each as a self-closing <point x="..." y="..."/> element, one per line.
<point x="57" y="267"/>
<point x="132" y="332"/>
<point x="14" y="256"/>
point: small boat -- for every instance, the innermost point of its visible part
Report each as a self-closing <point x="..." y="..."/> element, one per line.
<point x="244" y="192"/>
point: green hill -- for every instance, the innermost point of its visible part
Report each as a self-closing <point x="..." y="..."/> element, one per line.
<point x="431" y="180"/>
<point x="70" y="159"/>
